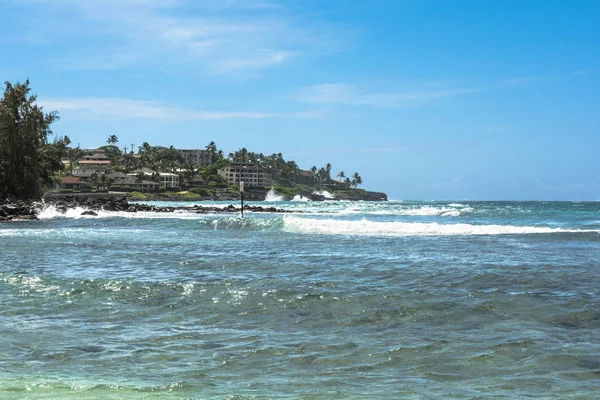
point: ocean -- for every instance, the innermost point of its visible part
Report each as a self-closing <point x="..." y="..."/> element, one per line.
<point x="334" y="300"/>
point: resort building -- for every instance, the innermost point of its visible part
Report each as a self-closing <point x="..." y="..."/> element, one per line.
<point x="251" y="174"/>
<point x="200" y="158"/>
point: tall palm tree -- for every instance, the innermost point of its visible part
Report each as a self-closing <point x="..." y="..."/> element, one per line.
<point x="356" y="179"/>
<point x="328" y="170"/>
<point x="313" y="170"/>
<point x="112" y="139"/>
<point x="341" y="175"/>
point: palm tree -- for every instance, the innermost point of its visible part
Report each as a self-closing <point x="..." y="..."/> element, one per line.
<point x="94" y="177"/>
<point x="328" y="170"/>
<point x="341" y="175"/>
<point x="112" y="139"/>
<point x="356" y="179"/>
<point x="103" y="181"/>
<point x="314" y="174"/>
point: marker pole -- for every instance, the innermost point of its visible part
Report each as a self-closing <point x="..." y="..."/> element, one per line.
<point x="242" y="196"/>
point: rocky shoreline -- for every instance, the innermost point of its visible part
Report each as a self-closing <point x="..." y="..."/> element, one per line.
<point x="11" y="210"/>
<point x="17" y="210"/>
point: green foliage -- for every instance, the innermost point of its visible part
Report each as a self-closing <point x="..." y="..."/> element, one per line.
<point x="286" y="191"/>
<point x="200" y="191"/>
<point x="138" y="196"/>
<point x="28" y="163"/>
<point x="212" y="169"/>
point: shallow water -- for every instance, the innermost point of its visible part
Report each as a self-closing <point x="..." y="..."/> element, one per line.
<point x="348" y="300"/>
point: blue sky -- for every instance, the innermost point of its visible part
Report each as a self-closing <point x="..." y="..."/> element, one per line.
<point x="426" y="99"/>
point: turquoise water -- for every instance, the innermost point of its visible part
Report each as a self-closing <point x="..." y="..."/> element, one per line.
<point x="346" y="300"/>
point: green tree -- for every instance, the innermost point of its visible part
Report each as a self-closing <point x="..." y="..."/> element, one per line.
<point x="356" y="179"/>
<point x="28" y="163"/>
<point x="214" y="153"/>
<point x="341" y="175"/>
<point x="94" y="178"/>
<point x="112" y="139"/>
<point x="314" y="170"/>
<point x="74" y="155"/>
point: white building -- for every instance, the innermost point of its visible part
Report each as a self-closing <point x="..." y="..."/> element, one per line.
<point x="200" y="158"/>
<point x="165" y="179"/>
<point x="251" y="174"/>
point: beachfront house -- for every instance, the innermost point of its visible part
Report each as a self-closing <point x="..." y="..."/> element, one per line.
<point x="253" y="175"/>
<point x="134" y="182"/>
<point x="72" y="182"/>
<point x="86" y="171"/>
<point x="165" y="179"/>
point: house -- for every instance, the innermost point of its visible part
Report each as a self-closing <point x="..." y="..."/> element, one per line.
<point x="133" y="182"/>
<point x="165" y="179"/>
<point x="86" y="171"/>
<point x="250" y="174"/>
<point x="100" y="156"/>
<point x="200" y="158"/>
<point x="71" y="182"/>
<point x="305" y="177"/>
<point x="96" y="163"/>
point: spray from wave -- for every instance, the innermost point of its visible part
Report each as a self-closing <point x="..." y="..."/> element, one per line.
<point x="300" y="198"/>
<point x="325" y="194"/>
<point x="272" y="196"/>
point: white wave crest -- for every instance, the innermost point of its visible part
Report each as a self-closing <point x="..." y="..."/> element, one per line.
<point x="51" y="211"/>
<point x="272" y="196"/>
<point x="366" y="227"/>
<point x="325" y="194"/>
<point x="425" y="211"/>
<point x="300" y="198"/>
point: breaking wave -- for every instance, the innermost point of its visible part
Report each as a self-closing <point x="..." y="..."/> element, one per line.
<point x="366" y="227"/>
<point x="272" y="196"/>
<point x="325" y="194"/>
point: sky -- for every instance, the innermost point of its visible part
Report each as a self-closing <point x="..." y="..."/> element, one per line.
<point x="425" y="99"/>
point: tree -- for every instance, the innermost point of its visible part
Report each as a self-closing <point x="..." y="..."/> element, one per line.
<point x="341" y="175"/>
<point x="74" y="155"/>
<point x="214" y="153"/>
<point x="112" y="139"/>
<point x="356" y="179"/>
<point x="94" y="178"/>
<point x="328" y="170"/>
<point x="28" y="163"/>
<point x="313" y="170"/>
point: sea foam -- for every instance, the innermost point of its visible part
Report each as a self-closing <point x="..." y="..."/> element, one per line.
<point x="366" y="227"/>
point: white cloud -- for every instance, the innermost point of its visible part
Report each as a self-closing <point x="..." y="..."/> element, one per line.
<point x="119" y="108"/>
<point x="348" y="94"/>
<point x="229" y="37"/>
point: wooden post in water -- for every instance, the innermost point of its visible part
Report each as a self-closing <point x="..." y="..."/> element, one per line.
<point x="242" y="196"/>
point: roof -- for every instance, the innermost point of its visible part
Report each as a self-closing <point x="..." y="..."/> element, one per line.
<point x="96" y="156"/>
<point x="94" y="162"/>
<point x="248" y="166"/>
<point x="131" y="180"/>
<point x="70" y="180"/>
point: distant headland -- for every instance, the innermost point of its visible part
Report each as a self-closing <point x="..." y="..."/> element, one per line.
<point x="31" y="165"/>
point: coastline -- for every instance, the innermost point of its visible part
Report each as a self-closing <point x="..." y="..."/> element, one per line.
<point x="13" y="209"/>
